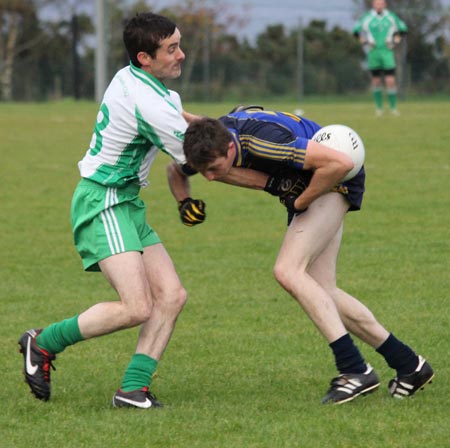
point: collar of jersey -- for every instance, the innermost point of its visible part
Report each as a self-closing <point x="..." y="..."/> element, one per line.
<point x="382" y="15"/>
<point x="238" y="158"/>
<point x="149" y="79"/>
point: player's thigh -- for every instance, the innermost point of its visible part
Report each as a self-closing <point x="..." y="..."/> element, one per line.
<point x="310" y="233"/>
<point x="161" y="274"/>
<point x="323" y="269"/>
<point x="127" y="275"/>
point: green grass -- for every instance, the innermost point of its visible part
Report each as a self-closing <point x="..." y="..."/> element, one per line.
<point x="245" y="367"/>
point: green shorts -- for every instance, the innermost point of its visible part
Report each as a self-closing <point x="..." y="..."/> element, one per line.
<point x="108" y="221"/>
<point x="380" y="58"/>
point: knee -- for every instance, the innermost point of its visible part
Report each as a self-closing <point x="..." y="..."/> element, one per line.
<point x="172" y="299"/>
<point x="285" y="275"/>
<point x="139" y="313"/>
<point x="179" y="298"/>
<point x="279" y="273"/>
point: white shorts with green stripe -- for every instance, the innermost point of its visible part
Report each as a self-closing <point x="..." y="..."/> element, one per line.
<point x="108" y="221"/>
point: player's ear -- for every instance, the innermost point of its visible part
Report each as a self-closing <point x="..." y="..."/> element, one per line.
<point x="231" y="152"/>
<point x="143" y="58"/>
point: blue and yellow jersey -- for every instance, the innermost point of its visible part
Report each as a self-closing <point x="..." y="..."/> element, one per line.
<point x="266" y="140"/>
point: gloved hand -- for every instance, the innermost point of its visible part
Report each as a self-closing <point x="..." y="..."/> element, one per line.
<point x="192" y="211"/>
<point x="287" y="181"/>
<point x="288" y="201"/>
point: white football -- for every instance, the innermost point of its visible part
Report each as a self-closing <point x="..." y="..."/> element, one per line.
<point x="343" y="139"/>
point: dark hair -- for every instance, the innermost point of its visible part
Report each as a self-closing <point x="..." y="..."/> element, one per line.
<point x="144" y="32"/>
<point x="205" y="140"/>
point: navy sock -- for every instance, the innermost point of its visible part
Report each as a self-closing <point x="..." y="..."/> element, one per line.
<point x="347" y="356"/>
<point x="398" y="355"/>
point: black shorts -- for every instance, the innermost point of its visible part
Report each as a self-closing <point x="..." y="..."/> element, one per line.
<point x="378" y="72"/>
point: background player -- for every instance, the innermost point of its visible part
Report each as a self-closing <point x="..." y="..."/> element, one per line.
<point x="278" y="147"/>
<point x="379" y="30"/>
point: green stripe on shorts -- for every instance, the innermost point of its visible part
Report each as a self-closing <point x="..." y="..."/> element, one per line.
<point x="108" y="221"/>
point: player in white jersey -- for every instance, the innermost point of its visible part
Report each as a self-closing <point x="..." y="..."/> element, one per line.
<point x="138" y="117"/>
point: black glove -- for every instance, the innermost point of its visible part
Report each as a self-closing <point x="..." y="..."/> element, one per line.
<point x="240" y="108"/>
<point x="192" y="211"/>
<point x="288" y="201"/>
<point x="287" y="182"/>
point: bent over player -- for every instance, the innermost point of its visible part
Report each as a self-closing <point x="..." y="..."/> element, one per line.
<point x="306" y="176"/>
<point x="379" y="30"/>
<point x="138" y="118"/>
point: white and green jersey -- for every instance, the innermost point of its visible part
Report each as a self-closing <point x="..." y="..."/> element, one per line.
<point x="138" y="117"/>
<point x="379" y="29"/>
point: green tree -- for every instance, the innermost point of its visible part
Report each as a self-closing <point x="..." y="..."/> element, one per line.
<point x="276" y="54"/>
<point x="332" y="60"/>
<point x="47" y="53"/>
<point x="330" y="64"/>
<point x="68" y="56"/>
<point x="19" y="34"/>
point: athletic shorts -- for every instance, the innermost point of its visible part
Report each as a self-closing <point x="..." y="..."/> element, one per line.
<point x="381" y="59"/>
<point x="379" y="72"/>
<point x="108" y="221"/>
<point x="352" y="190"/>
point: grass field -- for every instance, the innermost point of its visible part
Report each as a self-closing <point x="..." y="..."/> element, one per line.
<point x="245" y="367"/>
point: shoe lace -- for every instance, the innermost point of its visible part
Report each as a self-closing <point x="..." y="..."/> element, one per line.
<point x="340" y="380"/>
<point x="152" y="397"/>
<point x="48" y="358"/>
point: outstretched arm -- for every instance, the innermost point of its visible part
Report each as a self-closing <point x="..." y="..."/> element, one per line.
<point x="240" y="177"/>
<point x="245" y="177"/>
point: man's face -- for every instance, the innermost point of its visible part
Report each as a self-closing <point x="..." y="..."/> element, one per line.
<point x="379" y="5"/>
<point x="168" y="59"/>
<point x="221" y="166"/>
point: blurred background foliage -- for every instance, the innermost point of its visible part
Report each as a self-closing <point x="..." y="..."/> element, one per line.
<point x="47" y="51"/>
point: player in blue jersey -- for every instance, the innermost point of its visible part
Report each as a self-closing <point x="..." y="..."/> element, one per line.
<point x="276" y="150"/>
<point x="138" y="118"/>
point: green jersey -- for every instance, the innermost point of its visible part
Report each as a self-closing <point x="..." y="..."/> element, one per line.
<point x="138" y="118"/>
<point x="379" y="29"/>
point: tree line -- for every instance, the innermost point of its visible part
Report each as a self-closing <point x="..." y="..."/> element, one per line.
<point x="47" y="50"/>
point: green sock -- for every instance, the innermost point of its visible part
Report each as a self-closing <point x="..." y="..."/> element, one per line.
<point x="139" y="372"/>
<point x="378" y="97"/>
<point x="392" y="97"/>
<point x="56" y="337"/>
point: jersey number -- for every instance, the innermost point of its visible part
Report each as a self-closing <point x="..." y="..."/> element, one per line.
<point x="102" y="122"/>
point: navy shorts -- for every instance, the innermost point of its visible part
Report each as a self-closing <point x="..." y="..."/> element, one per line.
<point x="353" y="190"/>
